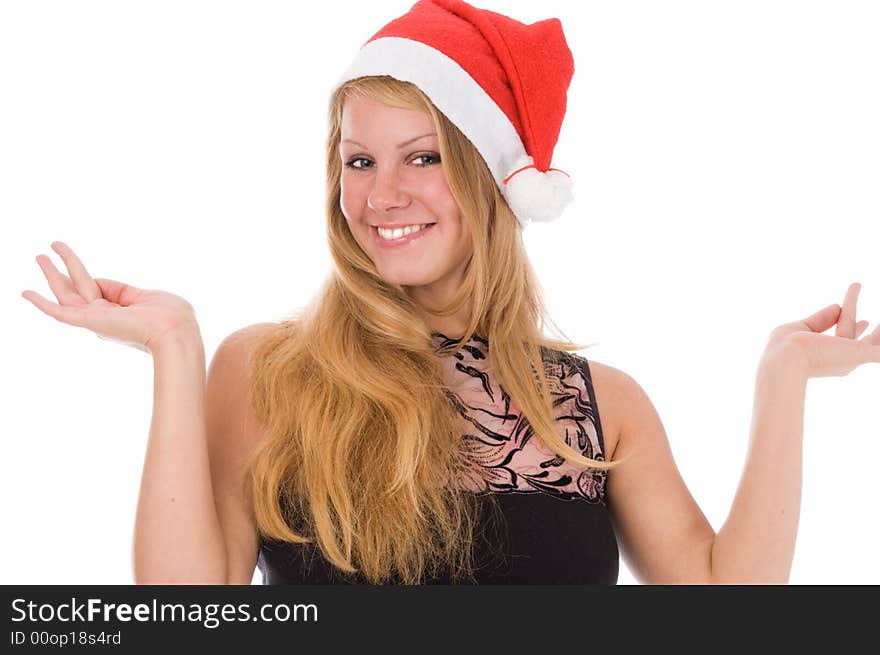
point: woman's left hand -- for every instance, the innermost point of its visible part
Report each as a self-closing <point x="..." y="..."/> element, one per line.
<point x="824" y="355"/>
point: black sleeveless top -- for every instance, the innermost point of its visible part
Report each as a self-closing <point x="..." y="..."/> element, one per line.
<point x="555" y="527"/>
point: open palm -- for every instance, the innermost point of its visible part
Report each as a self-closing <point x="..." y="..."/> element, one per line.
<point x="826" y="355"/>
<point x="111" y="309"/>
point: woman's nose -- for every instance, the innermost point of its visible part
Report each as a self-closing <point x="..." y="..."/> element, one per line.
<point x="387" y="192"/>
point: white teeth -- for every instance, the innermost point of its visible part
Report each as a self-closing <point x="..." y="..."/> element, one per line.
<point x="399" y="232"/>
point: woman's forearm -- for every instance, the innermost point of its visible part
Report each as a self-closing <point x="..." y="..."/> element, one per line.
<point x="756" y="543"/>
<point x="177" y="535"/>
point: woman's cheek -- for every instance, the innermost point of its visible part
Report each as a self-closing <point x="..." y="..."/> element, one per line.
<point x="352" y="201"/>
<point x="346" y="205"/>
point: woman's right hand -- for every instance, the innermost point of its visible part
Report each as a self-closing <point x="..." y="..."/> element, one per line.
<point x="113" y="310"/>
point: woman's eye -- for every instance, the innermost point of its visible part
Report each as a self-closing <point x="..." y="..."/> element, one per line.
<point x="351" y="163"/>
<point x="434" y="159"/>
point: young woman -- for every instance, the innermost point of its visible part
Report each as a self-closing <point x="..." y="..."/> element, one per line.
<point x="414" y="424"/>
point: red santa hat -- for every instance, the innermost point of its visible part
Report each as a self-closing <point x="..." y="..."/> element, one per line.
<point x="501" y="82"/>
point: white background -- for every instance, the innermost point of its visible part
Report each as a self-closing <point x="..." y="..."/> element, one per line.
<point x="725" y="162"/>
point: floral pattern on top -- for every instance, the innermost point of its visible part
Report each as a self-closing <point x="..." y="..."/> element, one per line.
<point x="504" y="454"/>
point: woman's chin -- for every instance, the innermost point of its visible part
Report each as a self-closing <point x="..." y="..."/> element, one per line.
<point x="406" y="278"/>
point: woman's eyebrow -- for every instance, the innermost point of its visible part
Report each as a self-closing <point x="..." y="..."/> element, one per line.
<point x="402" y="145"/>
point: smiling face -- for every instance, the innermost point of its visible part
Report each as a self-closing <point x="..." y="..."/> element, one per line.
<point x="392" y="184"/>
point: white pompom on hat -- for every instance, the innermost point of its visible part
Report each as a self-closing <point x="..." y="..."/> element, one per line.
<point x="501" y="82"/>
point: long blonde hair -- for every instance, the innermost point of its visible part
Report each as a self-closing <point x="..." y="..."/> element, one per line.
<point x="360" y="439"/>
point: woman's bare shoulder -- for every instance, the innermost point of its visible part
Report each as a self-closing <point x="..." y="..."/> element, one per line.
<point x="246" y="339"/>
<point x="228" y="376"/>
<point x="612" y="388"/>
